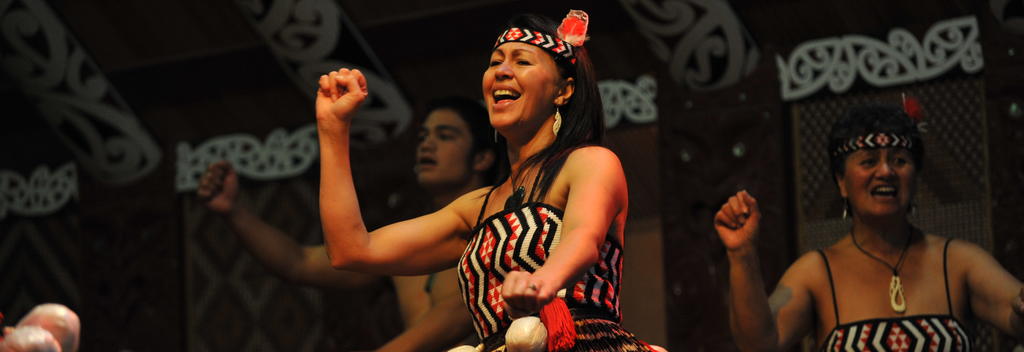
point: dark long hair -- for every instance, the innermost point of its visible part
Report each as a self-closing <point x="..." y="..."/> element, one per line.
<point x="864" y="119"/>
<point x="474" y="114"/>
<point x="582" y="115"/>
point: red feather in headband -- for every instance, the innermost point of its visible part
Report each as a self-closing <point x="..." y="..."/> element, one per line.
<point x="913" y="108"/>
<point x="573" y="29"/>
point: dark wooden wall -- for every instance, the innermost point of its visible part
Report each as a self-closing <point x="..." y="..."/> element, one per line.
<point x="1004" y="90"/>
<point x="194" y="69"/>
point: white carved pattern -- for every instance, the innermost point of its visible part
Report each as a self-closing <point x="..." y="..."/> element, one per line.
<point x="282" y="155"/>
<point x="632" y="102"/>
<point x="692" y="44"/>
<point x="73" y="96"/>
<point x="43" y="193"/>
<point x="304" y="34"/>
<point x="837" y="62"/>
<point x="285" y="155"/>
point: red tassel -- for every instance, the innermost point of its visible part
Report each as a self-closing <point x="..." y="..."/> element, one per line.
<point x="560" y="326"/>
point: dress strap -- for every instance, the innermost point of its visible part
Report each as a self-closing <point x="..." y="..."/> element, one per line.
<point x="831" y="285"/>
<point x="484" y="207"/>
<point x="945" y="274"/>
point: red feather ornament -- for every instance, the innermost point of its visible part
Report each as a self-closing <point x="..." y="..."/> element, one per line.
<point x="913" y="108"/>
<point x="573" y="29"/>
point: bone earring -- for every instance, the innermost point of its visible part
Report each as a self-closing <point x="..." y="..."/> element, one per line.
<point x="558" y="122"/>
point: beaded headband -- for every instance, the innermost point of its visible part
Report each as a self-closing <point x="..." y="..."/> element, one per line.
<point x="537" y="38"/>
<point x="571" y="34"/>
<point x="873" y="141"/>
<point x="912" y="107"/>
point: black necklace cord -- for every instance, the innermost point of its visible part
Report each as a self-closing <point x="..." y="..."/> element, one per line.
<point x="903" y="253"/>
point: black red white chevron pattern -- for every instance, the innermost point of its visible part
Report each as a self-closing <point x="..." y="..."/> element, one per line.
<point x="522" y="239"/>
<point x="922" y="333"/>
<point x="873" y="141"/>
<point x="540" y="39"/>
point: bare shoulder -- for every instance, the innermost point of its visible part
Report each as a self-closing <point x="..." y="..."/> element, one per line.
<point x="592" y="160"/>
<point x="962" y="252"/>
<point x="809" y="267"/>
<point x="593" y="154"/>
<point x="468" y="205"/>
<point x="956" y="245"/>
<point x="806" y="273"/>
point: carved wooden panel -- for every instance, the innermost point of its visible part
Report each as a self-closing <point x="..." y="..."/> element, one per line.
<point x="131" y="276"/>
<point x="40" y="262"/>
<point x="234" y="303"/>
<point x="1004" y="65"/>
<point x="713" y="145"/>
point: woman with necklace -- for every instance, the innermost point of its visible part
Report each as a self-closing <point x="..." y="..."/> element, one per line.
<point x="886" y="286"/>
<point x="556" y="223"/>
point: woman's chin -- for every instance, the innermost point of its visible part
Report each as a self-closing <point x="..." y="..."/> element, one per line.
<point x="885" y="213"/>
<point x="503" y="126"/>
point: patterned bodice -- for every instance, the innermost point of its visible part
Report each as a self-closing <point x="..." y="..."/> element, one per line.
<point x="522" y="239"/>
<point x="913" y="333"/>
<point x="937" y="332"/>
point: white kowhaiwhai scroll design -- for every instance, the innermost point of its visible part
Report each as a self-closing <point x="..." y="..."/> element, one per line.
<point x="837" y="62"/>
<point x="51" y="67"/>
<point x="314" y="37"/>
<point x="42" y="193"/>
<point x="632" y="102"/>
<point x="282" y="155"/>
<point x="703" y="41"/>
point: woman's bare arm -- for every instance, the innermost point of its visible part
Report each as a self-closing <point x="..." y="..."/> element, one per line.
<point x="218" y="190"/>
<point x="995" y="295"/>
<point x="759" y="322"/>
<point x="418" y="246"/>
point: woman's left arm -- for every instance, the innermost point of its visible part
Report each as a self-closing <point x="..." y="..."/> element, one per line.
<point x="995" y="295"/>
<point x="597" y="198"/>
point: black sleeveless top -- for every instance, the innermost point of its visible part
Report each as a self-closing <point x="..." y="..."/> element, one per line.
<point x="932" y="332"/>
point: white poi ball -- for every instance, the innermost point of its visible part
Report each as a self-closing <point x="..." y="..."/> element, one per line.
<point x="59" y="320"/>
<point x="29" y="339"/>
<point x="526" y="334"/>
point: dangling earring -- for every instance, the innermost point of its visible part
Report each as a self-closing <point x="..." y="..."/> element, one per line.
<point x="846" y="209"/>
<point x="495" y="136"/>
<point x="913" y="208"/>
<point x="558" y="122"/>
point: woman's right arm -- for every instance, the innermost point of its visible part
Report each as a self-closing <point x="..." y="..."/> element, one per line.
<point x="418" y="246"/>
<point x="760" y="323"/>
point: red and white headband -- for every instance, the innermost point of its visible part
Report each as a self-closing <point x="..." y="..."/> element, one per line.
<point x="571" y="34"/>
<point x="874" y="141"/>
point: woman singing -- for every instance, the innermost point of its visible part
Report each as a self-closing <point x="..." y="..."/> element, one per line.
<point x="555" y="223"/>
